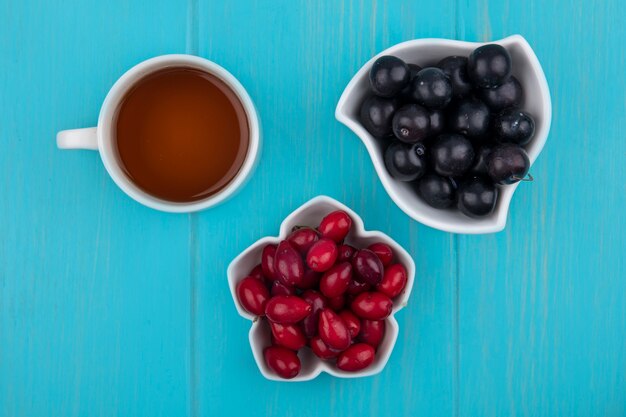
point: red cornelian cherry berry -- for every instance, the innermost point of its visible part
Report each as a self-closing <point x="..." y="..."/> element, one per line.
<point x="383" y="251"/>
<point x="287" y="309"/>
<point x="288" y="335"/>
<point x="288" y="264"/>
<point x="310" y="279"/>
<point x="356" y="357"/>
<point x="322" y="255"/>
<point x="336" y="303"/>
<point x="278" y="288"/>
<point x="267" y="262"/>
<point x="282" y="361"/>
<point x="253" y="295"/>
<point x="346" y="252"/>
<point x="336" y="280"/>
<point x="318" y="303"/>
<point x="257" y="273"/>
<point x="302" y="239"/>
<point x="352" y="321"/>
<point x="356" y="287"/>
<point x="372" y="332"/>
<point x="367" y="267"/>
<point x="333" y="331"/>
<point x="371" y="306"/>
<point x="335" y="225"/>
<point x="321" y="350"/>
<point x="394" y="281"/>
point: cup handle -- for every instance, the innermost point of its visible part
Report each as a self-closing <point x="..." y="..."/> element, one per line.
<point x="78" y="139"/>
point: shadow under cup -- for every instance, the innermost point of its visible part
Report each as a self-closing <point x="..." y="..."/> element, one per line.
<point x="180" y="134"/>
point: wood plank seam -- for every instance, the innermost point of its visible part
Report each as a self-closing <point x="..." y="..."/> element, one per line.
<point x="192" y="41"/>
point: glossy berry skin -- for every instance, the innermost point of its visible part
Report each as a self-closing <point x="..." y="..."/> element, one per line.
<point x="336" y="303"/>
<point x="406" y="93"/>
<point x="477" y="197"/>
<point x="345" y="253"/>
<point x="257" y="273"/>
<point x="405" y="162"/>
<point x="437" y="122"/>
<point x="469" y="117"/>
<point x="372" y="306"/>
<point x="394" y="281"/>
<point x="278" y="288"/>
<point x="414" y="69"/>
<point x="514" y="126"/>
<point x="287" y="309"/>
<point x="507" y="94"/>
<point x="437" y="191"/>
<point x="302" y="238"/>
<point x="322" y="255"/>
<point x="383" y="251"/>
<point x="411" y="123"/>
<point x="455" y="67"/>
<point x="431" y="88"/>
<point x="356" y="357"/>
<point x="451" y="155"/>
<point x="389" y="75"/>
<point x="310" y="279"/>
<point x="357" y="287"/>
<point x="321" y="350"/>
<point x="336" y="280"/>
<point x="489" y="66"/>
<point x="367" y="267"/>
<point x="288" y="264"/>
<point x="372" y="332"/>
<point x="508" y="164"/>
<point x="288" y="335"/>
<point x="333" y="331"/>
<point x="252" y="295"/>
<point x="335" y="226"/>
<point x="479" y="167"/>
<point x="318" y="303"/>
<point x="376" y="114"/>
<point x="267" y="262"/>
<point x="282" y="361"/>
<point x="352" y="321"/>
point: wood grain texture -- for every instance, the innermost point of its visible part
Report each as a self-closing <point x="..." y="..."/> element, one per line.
<point x="295" y="57"/>
<point x="94" y="289"/>
<point x="543" y="317"/>
<point x="109" y="308"/>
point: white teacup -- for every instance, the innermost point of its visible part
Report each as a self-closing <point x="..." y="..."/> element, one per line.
<point x="101" y="138"/>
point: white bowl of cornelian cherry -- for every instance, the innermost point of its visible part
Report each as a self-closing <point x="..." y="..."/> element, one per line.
<point x="321" y="297"/>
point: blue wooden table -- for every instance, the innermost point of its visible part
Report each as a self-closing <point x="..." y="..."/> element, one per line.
<point x="109" y="308"/>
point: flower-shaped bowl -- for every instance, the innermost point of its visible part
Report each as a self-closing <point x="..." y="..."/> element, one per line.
<point x="310" y="214"/>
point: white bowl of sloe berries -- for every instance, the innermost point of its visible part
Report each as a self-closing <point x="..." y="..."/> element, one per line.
<point x="452" y="127"/>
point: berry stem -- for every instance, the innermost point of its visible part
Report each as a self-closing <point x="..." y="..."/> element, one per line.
<point x="529" y="179"/>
